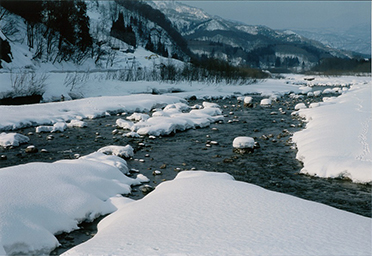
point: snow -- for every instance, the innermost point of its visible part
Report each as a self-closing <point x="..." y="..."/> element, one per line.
<point x="57" y="127"/>
<point x="69" y="191"/>
<point x="300" y="106"/>
<point x="125" y="152"/>
<point x="243" y="142"/>
<point x="12" y="139"/>
<point x="248" y="100"/>
<point x="228" y="218"/>
<point x="13" y="117"/>
<point x="335" y="143"/>
<point x="265" y="102"/>
<point x="77" y="123"/>
<point x="338" y="136"/>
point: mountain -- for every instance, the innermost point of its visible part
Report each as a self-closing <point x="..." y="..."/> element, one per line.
<point x="104" y="34"/>
<point x="356" y="38"/>
<point x="95" y="34"/>
<point x="241" y="44"/>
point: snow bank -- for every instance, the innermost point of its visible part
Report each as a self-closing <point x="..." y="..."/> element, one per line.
<point x="39" y="200"/>
<point x="12" y="139"/>
<point x="13" y="117"/>
<point x="228" y="218"/>
<point x="338" y="137"/>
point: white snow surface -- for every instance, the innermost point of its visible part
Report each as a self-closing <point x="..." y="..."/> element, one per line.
<point x="13" y="117"/>
<point x="243" y="142"/>
<point x="39" y="200"/>
<point x="172" y="119"/>
<point x="337" y="140"/>
<point x="125" y="152"/>
<point x="12" y="139"/>
<point x="204" y="213"/>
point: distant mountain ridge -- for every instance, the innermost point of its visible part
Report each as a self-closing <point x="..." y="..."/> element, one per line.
<point x="256" y="46"/>
<point x="356" y="38"/>
<point x="117" y="28"/>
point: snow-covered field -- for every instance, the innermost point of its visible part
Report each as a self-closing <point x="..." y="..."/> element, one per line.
<point x="228" y="217"/>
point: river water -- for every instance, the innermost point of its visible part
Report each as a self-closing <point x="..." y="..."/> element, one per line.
<point x="272" y="166"/>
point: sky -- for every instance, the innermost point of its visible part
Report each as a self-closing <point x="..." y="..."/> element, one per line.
<point x="291" y="14"/>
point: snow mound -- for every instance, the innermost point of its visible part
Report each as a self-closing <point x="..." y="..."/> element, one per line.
<point x="265" y="102"/>
<point x="12" y="139"/>
<point x="121" y="151"/>
<point x="172" y="119"/>
<point x="300" y="106"/>
<point x="76" y="123"/>
<point x="228" y="218"/>
<point x="248" y="100"/>
<point x="57" y="127"/>
<point x="39" y="200"/>
<point x="124" y="124"/>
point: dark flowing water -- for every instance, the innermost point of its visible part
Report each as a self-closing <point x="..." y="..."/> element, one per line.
<point x="272" y="166"/>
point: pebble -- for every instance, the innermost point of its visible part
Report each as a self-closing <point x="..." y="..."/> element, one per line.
<point x="3" y="157"/>
<point x="31" y="149"/>
<point x="146" y="189"/>
<point x="156" y="172"/>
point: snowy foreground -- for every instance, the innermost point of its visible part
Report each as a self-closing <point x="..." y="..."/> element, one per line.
<point x="228" y="217"/>
<point x="39" y="200"/>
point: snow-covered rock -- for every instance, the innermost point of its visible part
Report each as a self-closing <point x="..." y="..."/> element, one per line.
<point x="300" y="106"/>
<point x="243" y="142"/>
<point x="57" y="127"/>
<point x="121" y="151"/>
<point x="124" y="124"/>
<point x="265" y="102"/>
<point x="138" y="117"/>
<point x="77" y="123"/>
<point x="12" y="139"/>
<point x="248" y="101"/>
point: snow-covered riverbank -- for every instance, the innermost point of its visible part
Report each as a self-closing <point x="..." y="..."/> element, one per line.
<point x="230" y="200"/>
<point x="337" y="140"/>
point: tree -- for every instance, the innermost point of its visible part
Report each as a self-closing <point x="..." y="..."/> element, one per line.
<point x="122" y="32"/>
<point x="83" y="39"/>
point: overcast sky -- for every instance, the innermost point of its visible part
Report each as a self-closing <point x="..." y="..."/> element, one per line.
<point x="290" y="14"/>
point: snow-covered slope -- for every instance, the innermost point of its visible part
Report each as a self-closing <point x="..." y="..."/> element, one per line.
<point x="241" y="43"/>
<point x="354" y="39"/>
<point x="108" y="53"/>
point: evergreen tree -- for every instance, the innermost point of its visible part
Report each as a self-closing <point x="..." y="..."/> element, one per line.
<point x="83" y="39"/>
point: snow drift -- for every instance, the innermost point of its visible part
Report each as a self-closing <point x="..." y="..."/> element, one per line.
<point x="203" y="213"/>
<point x="338" y="137"/>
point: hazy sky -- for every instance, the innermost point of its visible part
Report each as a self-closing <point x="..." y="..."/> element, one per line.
<point x="290" y="14"/>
